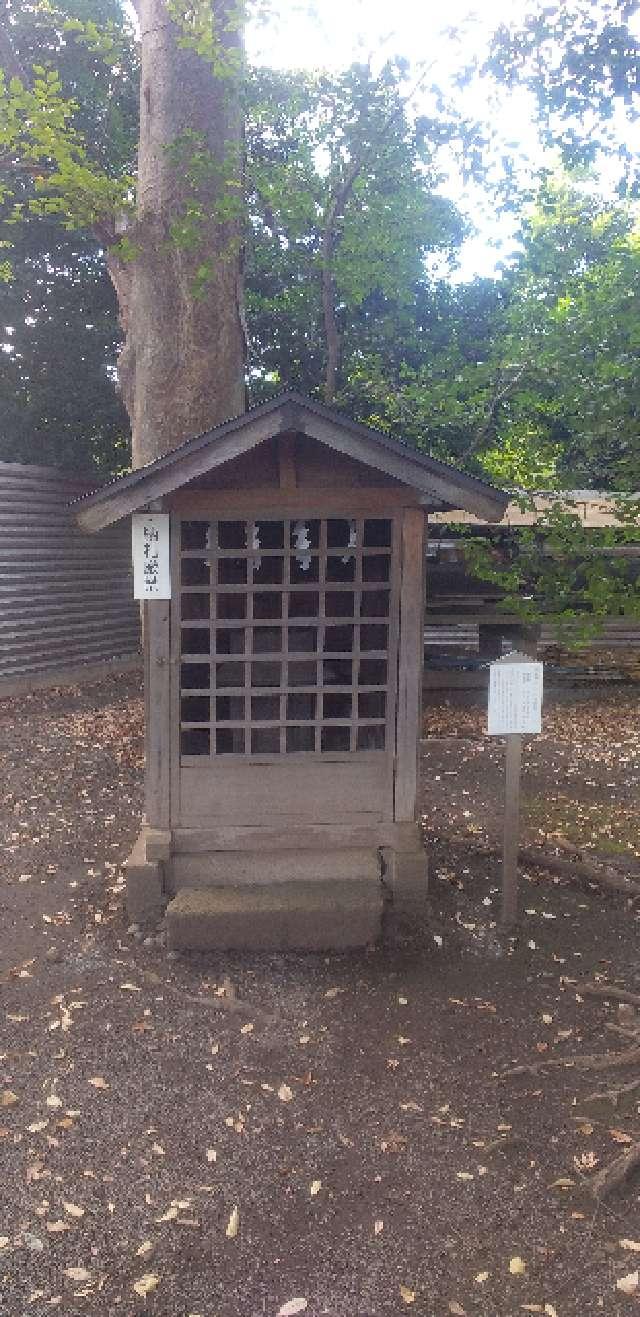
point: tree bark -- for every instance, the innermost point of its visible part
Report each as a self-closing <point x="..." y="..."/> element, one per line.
<point x="182" y="365"/>
<point x="334" y="214"/>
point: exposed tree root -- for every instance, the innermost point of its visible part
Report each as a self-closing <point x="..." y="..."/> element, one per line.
<point x="616" y="1173"/>
<point x="608" y="1061"/>
<point x="623" y="1031"/>
<point x="610" y="1097"/>
<point x="504" y="1141"/>
<point x="225" y="1001"/>
<point x="578" y="870"/>
<point x="581" y="871"/>
<point x="609" y="992"/>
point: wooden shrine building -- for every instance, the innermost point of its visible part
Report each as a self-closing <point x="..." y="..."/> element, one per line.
<point x="283" y="677"/>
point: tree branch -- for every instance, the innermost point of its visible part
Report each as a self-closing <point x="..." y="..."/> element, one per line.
<point x="499" y="397"/>
<point x="332" y="337"/>
<point x="333" y="213"/>
<point x="8" y="58"/>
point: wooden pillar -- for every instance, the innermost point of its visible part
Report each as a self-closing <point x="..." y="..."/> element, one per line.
<point x="410" y="663"/>
<point x="157" y="614"/>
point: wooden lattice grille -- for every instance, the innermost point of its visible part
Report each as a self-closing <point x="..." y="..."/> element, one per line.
<point x="286" y="636"/>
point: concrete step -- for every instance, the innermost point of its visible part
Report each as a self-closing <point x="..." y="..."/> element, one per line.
<point x="236" y="868"/>
<point x="310" y="916"/>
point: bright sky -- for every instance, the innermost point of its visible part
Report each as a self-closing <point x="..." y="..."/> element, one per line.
<point x="448" y="34"/>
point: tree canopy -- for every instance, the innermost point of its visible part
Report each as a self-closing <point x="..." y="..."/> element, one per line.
<point x="348" y="245"/>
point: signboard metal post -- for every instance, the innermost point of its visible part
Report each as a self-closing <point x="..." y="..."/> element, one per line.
<point x="515" y="707"/>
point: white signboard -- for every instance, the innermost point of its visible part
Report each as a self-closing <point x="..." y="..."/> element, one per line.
<point x="150" y="545"/>
<point x="515" y="696"/>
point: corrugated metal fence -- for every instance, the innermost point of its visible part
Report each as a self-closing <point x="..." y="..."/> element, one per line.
<point x="65" y="597"/>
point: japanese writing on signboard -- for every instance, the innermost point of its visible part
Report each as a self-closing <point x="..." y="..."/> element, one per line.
<point x="150" y="545"/>
<point x="515" y="696"/>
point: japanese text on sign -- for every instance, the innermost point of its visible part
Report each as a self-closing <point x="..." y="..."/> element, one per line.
<point x="150" y="544"/>
<point x="515" y="696"/>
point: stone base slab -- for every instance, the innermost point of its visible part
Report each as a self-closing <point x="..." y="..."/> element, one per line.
<point x="264" y="869"/>
<point x="297" y="916"/>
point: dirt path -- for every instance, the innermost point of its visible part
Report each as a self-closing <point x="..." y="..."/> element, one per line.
<point x="350" y="1112"/>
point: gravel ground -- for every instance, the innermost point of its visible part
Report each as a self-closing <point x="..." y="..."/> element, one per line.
<point x="339" y="1141"/>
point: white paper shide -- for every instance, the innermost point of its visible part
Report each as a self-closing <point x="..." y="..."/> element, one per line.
<point x="150" y="546"/>
<point x="515" y="696"/>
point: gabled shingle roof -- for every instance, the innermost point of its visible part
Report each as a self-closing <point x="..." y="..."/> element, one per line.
<point x="442" y="485"/>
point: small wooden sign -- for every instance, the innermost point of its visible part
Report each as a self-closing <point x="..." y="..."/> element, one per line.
<point x="515" y="696"/>
<point x="515" y="707"/>
<point x="151" y="564"/>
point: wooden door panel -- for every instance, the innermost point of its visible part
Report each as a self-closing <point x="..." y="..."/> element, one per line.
<point x="259" y="793"/>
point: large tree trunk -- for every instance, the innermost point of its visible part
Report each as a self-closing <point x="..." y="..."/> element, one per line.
<point x="182" y="365"/>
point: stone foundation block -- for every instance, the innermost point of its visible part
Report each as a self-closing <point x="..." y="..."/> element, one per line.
<point x="405" y="875"/>
<point x="145" y="894"/>
<point x="319" y="916"/>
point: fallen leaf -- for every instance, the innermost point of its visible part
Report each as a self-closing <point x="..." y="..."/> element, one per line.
<point x="481" y="1277"/>
<point x="293" y="1307"/>
<point x="456" y="1310"/>
<point x="4" y="1240"/>
<point x="33" y="1242"/>
<point x="562" y="1183"/>
<point x="517" y="1266"/>
<point x="629" y="1284"/>
<point x="332" y="992"/>
<point x="146" y="1284"/>
<point x="586" y="1161"/>
<point x="146" y="1249"/>
<point x="619" y="1136"/>
<point x="38" y="1126"/>
<point x="407" y="1295"/>
<point x="8" y="1099"/>
<point x="57" y="1227"/>
<point x="549" y="1310"/>
<point x="170" y="1215"/>
<point x="53" y="1100"/>
<point x="463" y="1175"/>
<point x="284" y="1093"/>
<point x="98" y="1082"/>
<point x="631" y="1245"/>
<point x="394" y="1142"/>
<point x="77" y="1273"/>
<point x="233" y="1224"/>
<point x="72" y="1209"/>
<point x="378" y="1226"/>
<point x="212" y="1155"/>
<point x="547" y="1019"/>
<point x="130" y="987"/>
<point x="315" y="1187"/>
